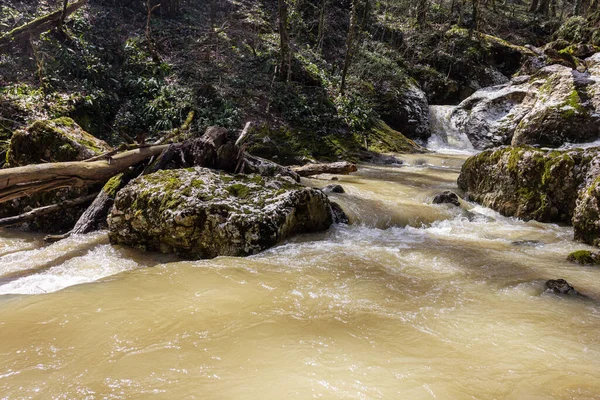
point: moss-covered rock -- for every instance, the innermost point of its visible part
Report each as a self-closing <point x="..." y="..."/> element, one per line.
<point x="548" y="186"/>
<point x="584" y="257"/>
<point x="55" y="140"/>
<point x="557" y="104"/>
<point x="528" y="183"/>
<point x="291" y="147"/>
<point x="403" y="107"/>
<point x="201" y="213"/>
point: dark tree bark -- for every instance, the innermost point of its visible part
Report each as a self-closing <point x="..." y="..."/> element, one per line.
<point x="474" y="17"/>
<point x="285" y="62"/>
<point x="350" y="38"/>
<point x="422" y="7"/>
<point x="534" y="5"/>
<point x="38" y="212"/>
<point x="321" y="29"/>
<point x="543" y="7"/>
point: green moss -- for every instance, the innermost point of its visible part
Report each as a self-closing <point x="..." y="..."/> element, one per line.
<point x="197" y="183"/>
<point x="387" y="140"/>
<point x="572" y="106"/>
<point x="584" y="257"/>
<point x="113" y="185"/>
<point x="239" y="190"/>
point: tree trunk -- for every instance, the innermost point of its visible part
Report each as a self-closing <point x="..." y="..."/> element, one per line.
<point x="285" y="62"/>
<point x="349" y="44"/>
<point x="543" y="7"/>
<point x="339" y="168"/>
<point x="213" y="13"/>
<point x="321" y="29"/>
<point x="63" y="16"/>
<point x="39" y="25"/>
<point x="38" y="212"/>
<point x="422" y="7"/>
<point x="24" y="181"/>
<point x="474" y="17"/>
<point x="151" y="49"/>
<point x="534" y="5"/>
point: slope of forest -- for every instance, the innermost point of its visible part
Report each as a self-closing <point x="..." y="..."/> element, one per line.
<point x="352" y="75"/>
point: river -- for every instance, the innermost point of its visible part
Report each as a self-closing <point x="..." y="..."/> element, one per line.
<point x="411" y="301"/>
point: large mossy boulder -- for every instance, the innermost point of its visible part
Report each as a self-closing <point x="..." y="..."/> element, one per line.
<point x="544" y="185"/>
<point x="55" y="140"/>
<point x="403" y="108"/>
<point x="202" y="213"/>
<point x="555" y="105"/>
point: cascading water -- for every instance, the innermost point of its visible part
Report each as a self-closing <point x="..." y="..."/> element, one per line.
<point x="445" y="137"/>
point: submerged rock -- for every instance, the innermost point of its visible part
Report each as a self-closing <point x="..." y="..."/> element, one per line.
<point x="55" y="140"/>
<point x="584" y="257"/>
<point x="201" y="213"/>
<point x="447" y="197"/>
<point x="560" y="286"/>
<point x="339" y="216"/>
<point x="554" y="105"/>
<point x="548" y="186"/>
<point x="532" y="243"/>
<point x="333" y="188"/>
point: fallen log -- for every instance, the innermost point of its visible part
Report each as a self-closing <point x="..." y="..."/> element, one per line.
<point x="94" y="217"/>
<point x="213" y="150"/>
<point x="39" y="25"/>
<point x="337" y="168"/>
<point x="24" y="181"/>
<point x="37" y="212"/>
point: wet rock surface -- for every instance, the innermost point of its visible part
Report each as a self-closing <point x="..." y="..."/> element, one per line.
<point x="584" y="257"/>
<point x="202" y="213"/>
<point x="554" y="105"/>
<point x="339" y="216"/>
<point x="561" y="286"/>
<point x="548" y="186"/>
<point x="333" y="189"/>
<point x="447" y="197"/>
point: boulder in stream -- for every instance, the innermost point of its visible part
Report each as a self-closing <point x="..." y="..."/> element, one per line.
<point x="447" y="197"/>
<point x="202" y="213"/>
<point x="544" y="185"/>
<point x="560" y="286"/>
<point x="339" y="216"/>
<point x="333" y="188"/>
<point x="584" y="257"/>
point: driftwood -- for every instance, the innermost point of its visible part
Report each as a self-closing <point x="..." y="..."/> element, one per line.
<point x="338" y="168"/>
<point x="24" y="181"/>
<point x="37" y="212"/>
<point x="94" y="217"/>
<point x="215" y="149"/>
<point x="209" y="150"/>
<point x="39" y="25"/>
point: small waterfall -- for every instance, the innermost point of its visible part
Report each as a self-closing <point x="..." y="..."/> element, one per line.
<point x="445" y="137"/>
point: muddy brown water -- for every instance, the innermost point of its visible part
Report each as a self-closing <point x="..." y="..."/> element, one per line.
<point x="412" y="301"/>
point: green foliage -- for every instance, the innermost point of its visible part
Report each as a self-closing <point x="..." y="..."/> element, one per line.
<point x="574" y="30"/>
